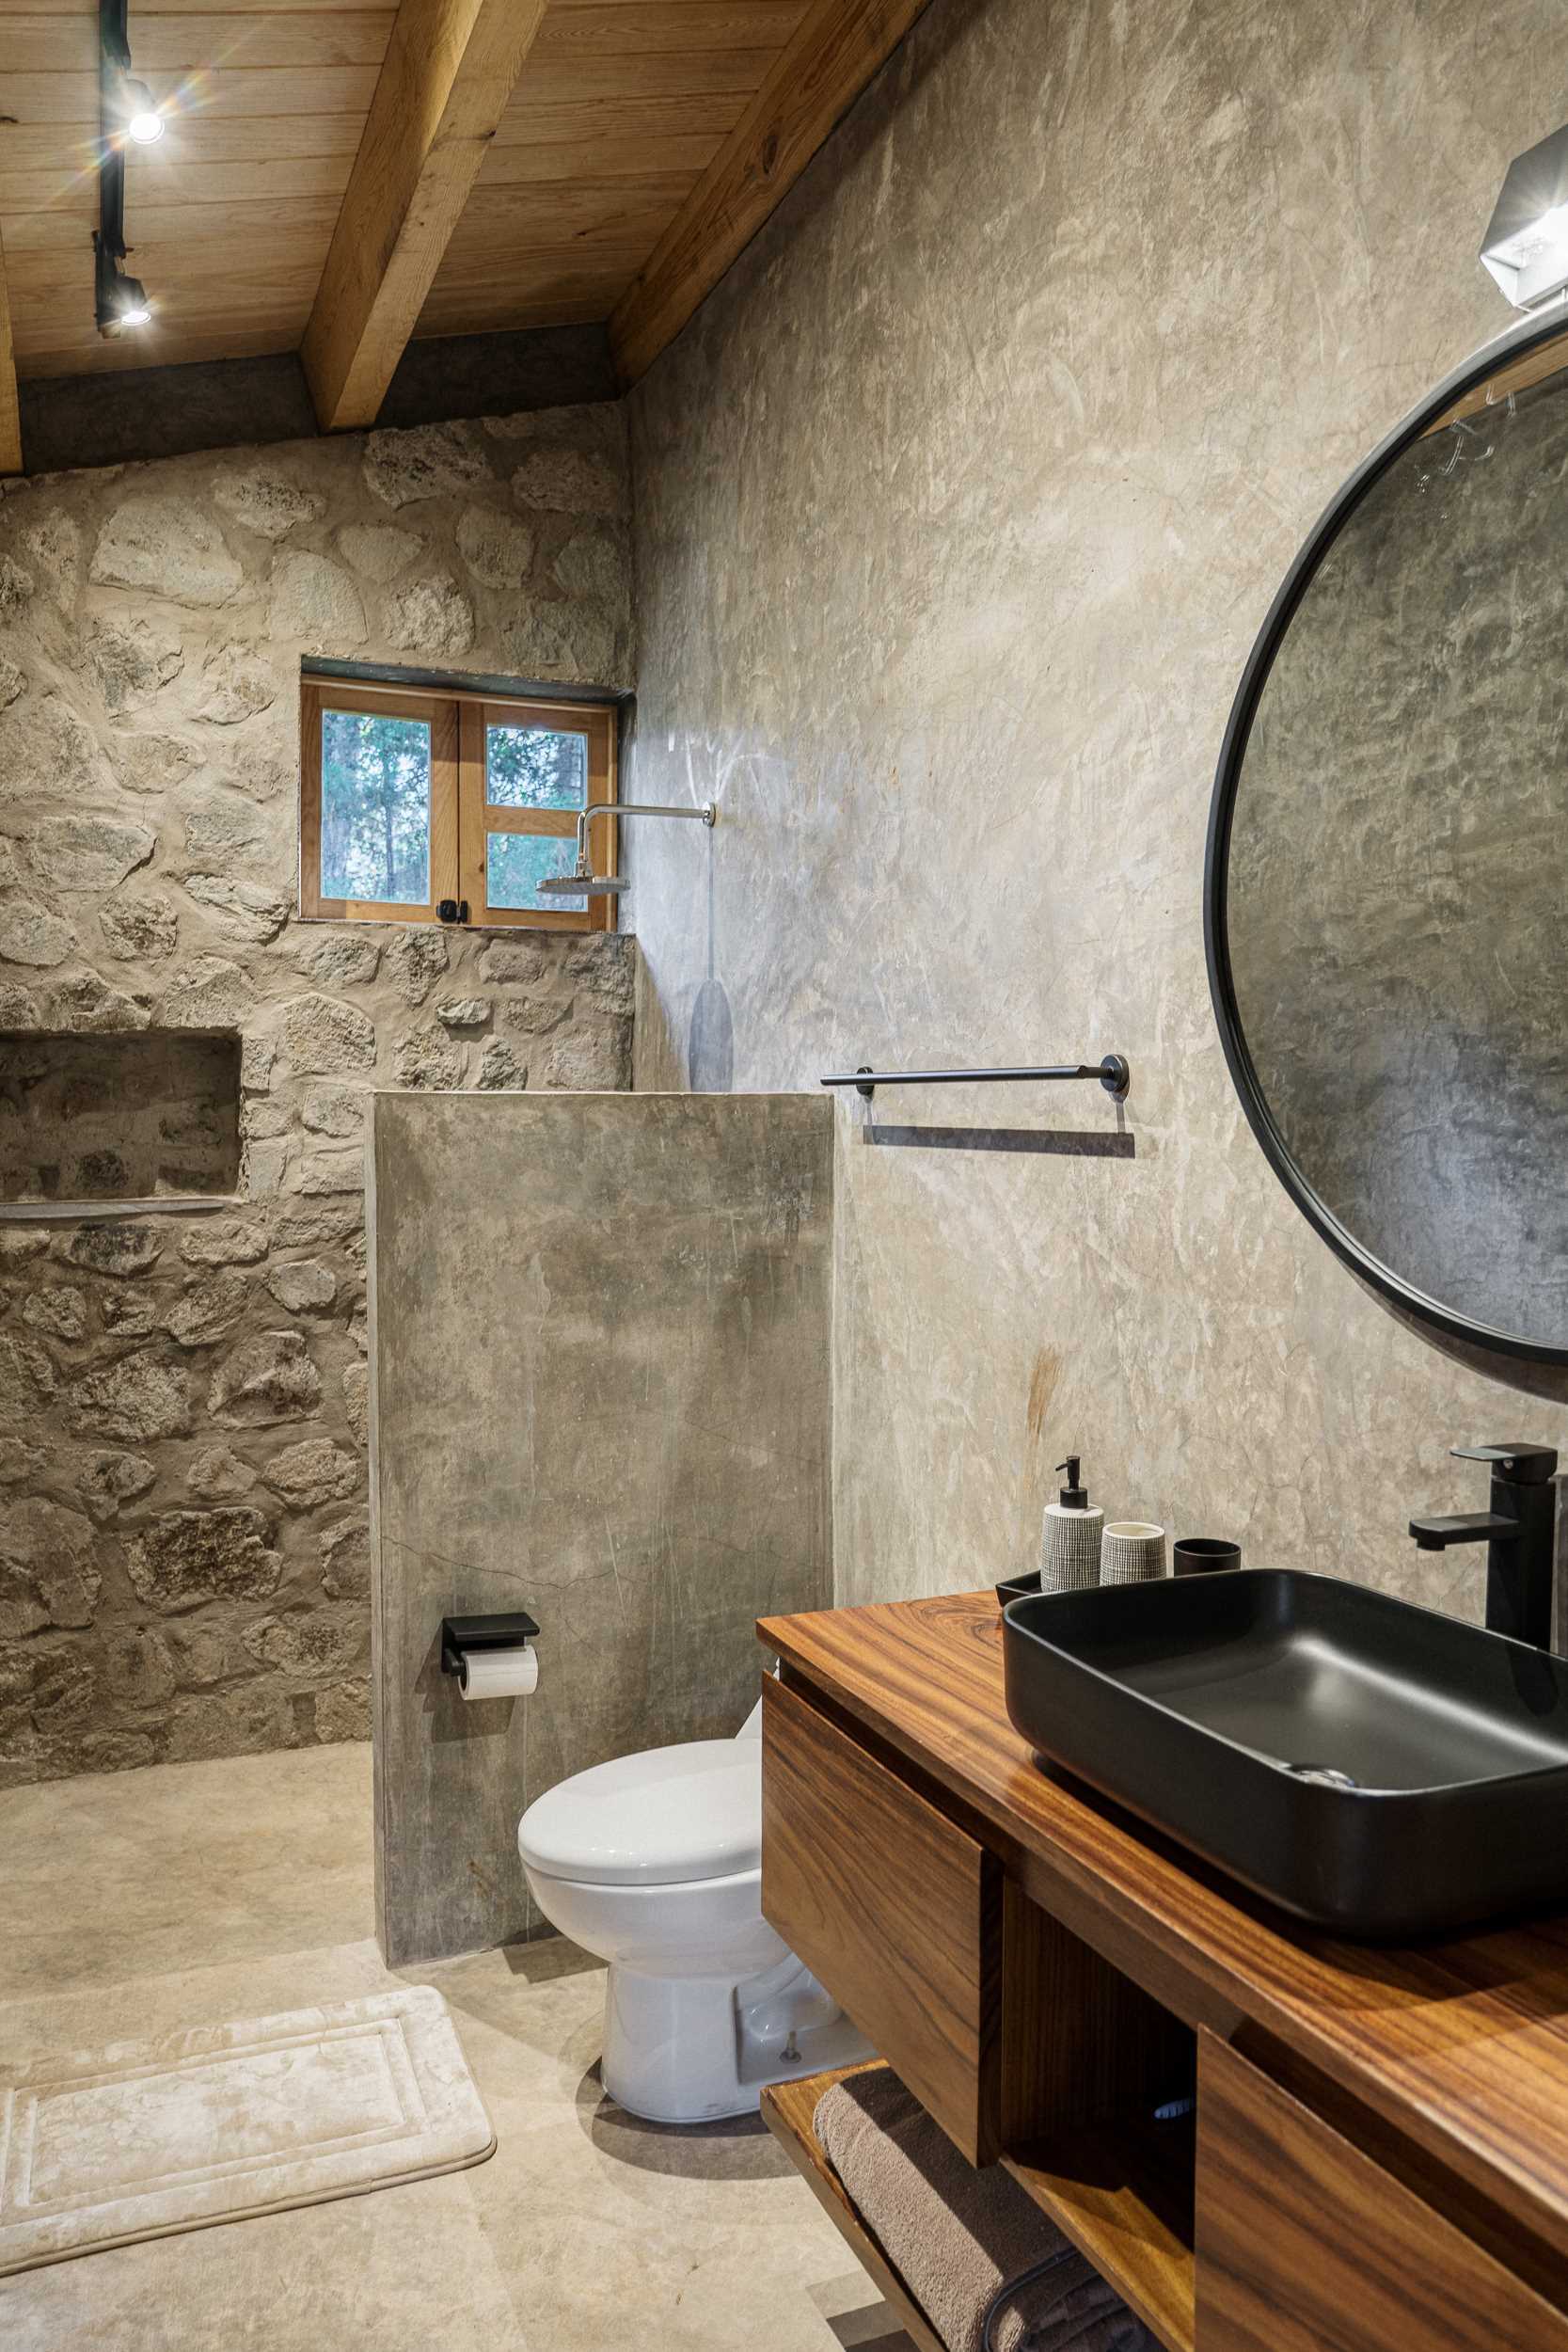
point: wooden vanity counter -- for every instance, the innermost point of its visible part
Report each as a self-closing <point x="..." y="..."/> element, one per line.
<point x="1382" y="2140"/>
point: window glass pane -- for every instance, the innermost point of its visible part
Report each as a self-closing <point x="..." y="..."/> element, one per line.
<point x="375" y="808"/>
<point x="516" y="862"/>
<point x="534" y="768"/>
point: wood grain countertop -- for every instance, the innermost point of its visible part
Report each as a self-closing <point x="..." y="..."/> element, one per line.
<point x="1461" y="2046"/>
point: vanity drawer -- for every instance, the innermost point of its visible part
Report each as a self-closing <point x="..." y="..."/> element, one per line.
<point x="894" y="1907"/>
<point x="1306" y="2244"/>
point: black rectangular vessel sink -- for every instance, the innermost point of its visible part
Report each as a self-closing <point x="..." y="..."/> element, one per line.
<point x="1378" y="1769"/>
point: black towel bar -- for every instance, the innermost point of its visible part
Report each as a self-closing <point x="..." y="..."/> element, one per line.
<point x="1112" y="1071"/>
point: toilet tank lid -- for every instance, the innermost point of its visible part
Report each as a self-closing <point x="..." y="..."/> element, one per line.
<point x="659" y="1819"/>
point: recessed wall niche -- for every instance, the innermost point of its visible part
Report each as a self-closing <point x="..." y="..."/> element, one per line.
<point x="141" y="1116"/>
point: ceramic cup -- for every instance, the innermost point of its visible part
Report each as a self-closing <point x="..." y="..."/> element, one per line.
<point x="1132" y="1553"/>
<point x="1196" y="1555"/>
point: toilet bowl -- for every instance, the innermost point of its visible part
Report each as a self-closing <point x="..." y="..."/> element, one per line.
<point x="654" y="1861"/>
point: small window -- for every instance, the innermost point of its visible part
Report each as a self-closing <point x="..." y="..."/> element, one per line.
<point x="407" y="799"/>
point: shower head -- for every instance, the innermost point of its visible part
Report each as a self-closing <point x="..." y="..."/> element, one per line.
<point x="583" y="886"/>
<point x="581" y="883"/>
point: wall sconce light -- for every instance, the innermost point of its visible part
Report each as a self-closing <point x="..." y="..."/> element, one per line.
<point x="1526" y="244"/>
<point x="125" y="111"/>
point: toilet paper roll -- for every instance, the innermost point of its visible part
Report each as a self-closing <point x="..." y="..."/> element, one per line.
<point x="500" y="1673"/>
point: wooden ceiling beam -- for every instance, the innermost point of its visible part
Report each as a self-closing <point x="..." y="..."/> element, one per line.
<point x="448" y="74"/>
<point x="11" y="412"/>
<point x="836" y="48"/>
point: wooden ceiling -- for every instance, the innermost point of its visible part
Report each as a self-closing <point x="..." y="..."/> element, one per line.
<point x="334" y="179"/>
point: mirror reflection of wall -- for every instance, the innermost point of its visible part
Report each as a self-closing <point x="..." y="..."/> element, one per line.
<point x="1397" y="933"/>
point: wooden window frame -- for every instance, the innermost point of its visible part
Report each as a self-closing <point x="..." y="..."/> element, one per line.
<point x="478" y="817"/>
<point x="461" y="817"/>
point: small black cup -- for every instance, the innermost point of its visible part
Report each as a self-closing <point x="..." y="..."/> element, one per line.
<point x="1196" y="1555"/>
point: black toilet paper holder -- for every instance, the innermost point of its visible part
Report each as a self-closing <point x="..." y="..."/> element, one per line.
<point x="504" y="1631"/>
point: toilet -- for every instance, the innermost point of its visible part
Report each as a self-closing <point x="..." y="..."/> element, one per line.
<point x="654" y="1861"/>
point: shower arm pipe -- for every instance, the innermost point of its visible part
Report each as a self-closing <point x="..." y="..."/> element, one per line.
<point x="1112" y="1071"/>
<point x="706" y="814"/>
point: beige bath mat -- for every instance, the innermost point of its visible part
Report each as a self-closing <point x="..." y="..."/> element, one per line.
<point x="145" y="2138"/>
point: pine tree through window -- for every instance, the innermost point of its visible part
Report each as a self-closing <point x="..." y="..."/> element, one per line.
<point x="410" y="798"/>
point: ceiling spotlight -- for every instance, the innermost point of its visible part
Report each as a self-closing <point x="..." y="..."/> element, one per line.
<point x="143" y="122"/>
<point x="121" y="300"/>
<point x="1526" y="244"/>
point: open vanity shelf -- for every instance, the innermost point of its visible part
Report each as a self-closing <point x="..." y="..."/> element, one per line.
<point x="788" y="2110"/>
<point x="1124" y="2197"/>
<point x="1379" y="2157"/>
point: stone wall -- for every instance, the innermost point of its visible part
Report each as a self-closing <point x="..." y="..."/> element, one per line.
<point x="183" y="1396"/>
<point x="958" y="505"/>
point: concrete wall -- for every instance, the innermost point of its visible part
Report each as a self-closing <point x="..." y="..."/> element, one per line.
<point x="958" y="507"/>
<point x="600" y="1342"/>
<point x="183" y="1566"/>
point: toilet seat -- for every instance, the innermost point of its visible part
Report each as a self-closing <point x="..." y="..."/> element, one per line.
<point x="666" y="1817"/>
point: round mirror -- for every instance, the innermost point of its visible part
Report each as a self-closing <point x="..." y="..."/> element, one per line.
<point x="1387" y="898"/>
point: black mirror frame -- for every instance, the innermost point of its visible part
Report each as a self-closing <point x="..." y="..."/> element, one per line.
<point x="1524" y="337"/>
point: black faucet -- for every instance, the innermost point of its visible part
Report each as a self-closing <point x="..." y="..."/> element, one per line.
<point x="1520" y="1535"/>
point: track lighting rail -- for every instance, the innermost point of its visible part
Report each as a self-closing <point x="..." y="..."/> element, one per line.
<point x="125" y="112"/>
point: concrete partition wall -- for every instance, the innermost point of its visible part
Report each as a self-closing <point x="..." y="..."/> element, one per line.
<point x="601" y="1392"/>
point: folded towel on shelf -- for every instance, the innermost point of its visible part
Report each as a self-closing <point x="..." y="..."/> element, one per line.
<point x="954" y="2234"/>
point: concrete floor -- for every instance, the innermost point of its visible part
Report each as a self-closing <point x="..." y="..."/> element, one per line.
<point x="138" y="1902"/>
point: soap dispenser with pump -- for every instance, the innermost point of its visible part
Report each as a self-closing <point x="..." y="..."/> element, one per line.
<point x="1070" y="1536"/>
